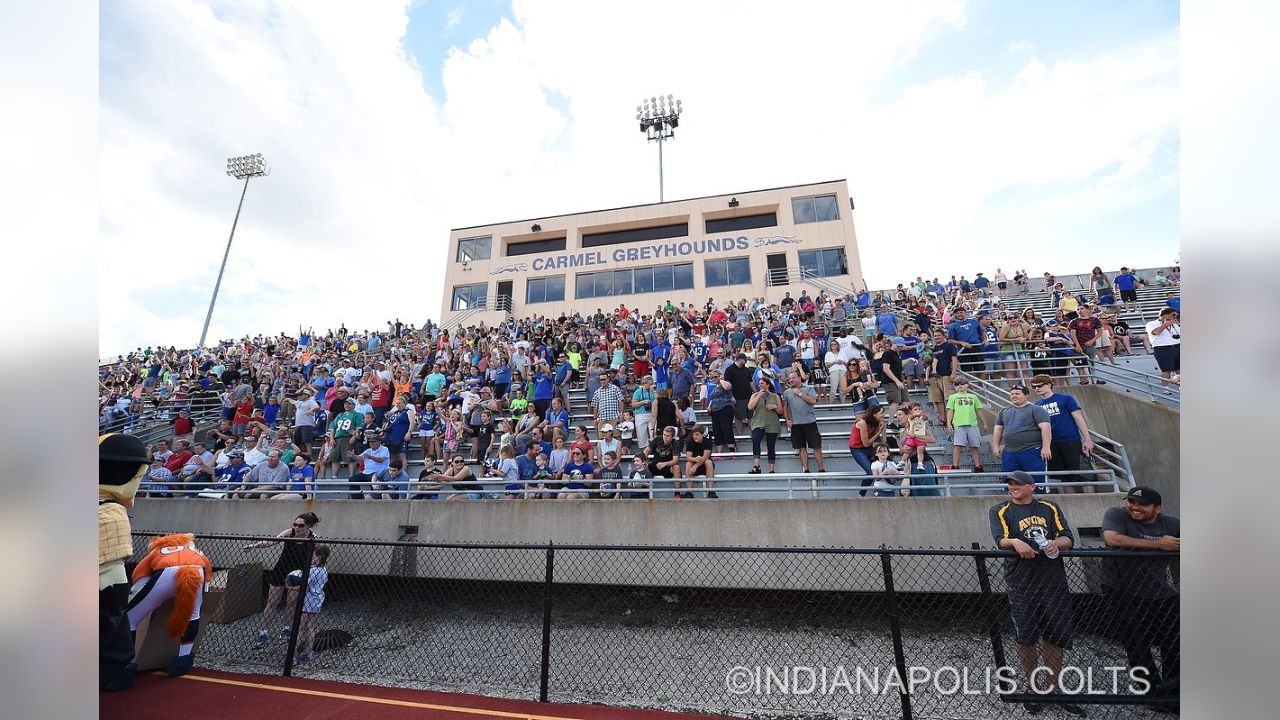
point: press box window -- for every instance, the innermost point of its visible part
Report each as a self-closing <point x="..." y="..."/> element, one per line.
<point x="731" y="271"/>
<point x="545" y="289"/>
<point x="815" y="208"/>
<point x="823" y="263"/>
<point x="466" y="297"/>
<point x="745" y="222"/>
<point x="477" y="248"/>
<point x="608" y="283"/>
<point x="536" y="247"/>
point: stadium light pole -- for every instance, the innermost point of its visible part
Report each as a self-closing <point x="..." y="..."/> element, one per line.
<point x="659" y="117"/>
<point x="240" y="168"/>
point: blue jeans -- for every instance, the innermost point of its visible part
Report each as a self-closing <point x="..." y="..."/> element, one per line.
<point x="862" y="456"/>
<point x="1028" y="461"/>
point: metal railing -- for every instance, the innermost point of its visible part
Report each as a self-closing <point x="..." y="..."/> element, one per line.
<point x="1148" y="386"/>
<point x="1107" y="452"/>
<point x="738" y="485"/>
<point x="726" y="630"/>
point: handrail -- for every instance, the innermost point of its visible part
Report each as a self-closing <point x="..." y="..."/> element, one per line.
<point x="805" y="485"/>
<point x="1113" y="454"/>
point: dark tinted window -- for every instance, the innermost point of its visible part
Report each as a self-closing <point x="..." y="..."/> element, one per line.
<point x="536" y="247"/>
<point x="619" y="237"/>
<point x="746" y="222"/>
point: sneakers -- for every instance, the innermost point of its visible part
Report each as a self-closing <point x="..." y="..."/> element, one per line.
<point x="754" y="470"/>
<point x="1074" y="709"/>
<point x="261" y="641"/>
<point x="180" y="665"/>
<point x="687" y="495"/>
<point x="711" y="495"/>
<point x="303" y="658"/>
<point x="285" y="632"/>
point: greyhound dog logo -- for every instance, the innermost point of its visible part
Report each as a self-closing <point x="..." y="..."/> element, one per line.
<point x="515" y="267"/>
<point x="776" y="240"/>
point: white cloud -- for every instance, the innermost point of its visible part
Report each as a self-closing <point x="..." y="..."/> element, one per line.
<point x="454" y="18"/>
<point x="1019" y="46"/>
<point x="370" y="172"/>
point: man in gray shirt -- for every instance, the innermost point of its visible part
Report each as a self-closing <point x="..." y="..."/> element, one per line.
<point x="797" y="410"/>
<point x="1143" y="599"/>
<point x="1022" y="436"/>
<point x="265" y="478"/>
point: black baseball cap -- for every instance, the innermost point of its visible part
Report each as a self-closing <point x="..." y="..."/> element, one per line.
<point x="1022" y="389"/>
<point x="1018" y="477"/>
<point x="1143" y="495"/>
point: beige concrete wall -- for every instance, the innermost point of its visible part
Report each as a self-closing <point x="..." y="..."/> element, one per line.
<point x="1150" y="432"/>
<point x="867" y="522"/>
<point x="812" y="236"/>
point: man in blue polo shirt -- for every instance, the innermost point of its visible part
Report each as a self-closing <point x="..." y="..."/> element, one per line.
<point x="965" y="333"/>
<point x="660" y="356"/>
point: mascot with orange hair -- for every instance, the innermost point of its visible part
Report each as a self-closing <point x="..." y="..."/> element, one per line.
<point x="122" y="461"/>
<point x="173" y="568"/>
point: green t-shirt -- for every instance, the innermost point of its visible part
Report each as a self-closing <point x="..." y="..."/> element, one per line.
<point x="964" y="407"/>
<point x="345" y="423"/>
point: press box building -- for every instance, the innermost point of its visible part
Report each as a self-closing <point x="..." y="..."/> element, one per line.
<point x="762" y="243"/>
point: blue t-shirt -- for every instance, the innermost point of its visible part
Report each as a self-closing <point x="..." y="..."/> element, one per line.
<point x="784" y="355"/>
<point x="575" y="474"/>
<point x="562" y="372"/>
<point x="1060" y="406"/>
<point x="558" y="416"/>
<point x="981" y="282"/>
<point x="527" y="467"/>
<point x="1126" y="281"/>
<point x="1175" y="303"/>
<point x="945" y="355"/>
<point x="231" y="475"/>
<point x="887" y="323"/>
<point x="541" y="387"/>
<point x="965" y="331"/>
<point x="502" y="374"/>
<point x="300" y="479"/>
<point x="990" y="340"/>
<point x="908" y="344"/>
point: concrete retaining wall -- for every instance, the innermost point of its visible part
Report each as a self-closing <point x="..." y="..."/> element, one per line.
<point x="1150" y="432"/>
<point x="867" y="522"/>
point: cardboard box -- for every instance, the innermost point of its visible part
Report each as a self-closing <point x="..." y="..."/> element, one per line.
<point x="233" y="593"/>
<point x="153" y="647"/>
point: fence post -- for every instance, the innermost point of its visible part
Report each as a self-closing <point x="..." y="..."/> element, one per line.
<point x="895" y="629"/>
<point x="546" y="623"/>
<point x="308" y="546"/>
<point x="989" y="610"/>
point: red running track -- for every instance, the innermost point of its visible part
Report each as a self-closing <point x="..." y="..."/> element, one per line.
<point x="214" y="695"/>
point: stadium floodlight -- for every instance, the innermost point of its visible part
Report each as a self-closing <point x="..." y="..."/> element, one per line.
<point x="658" y="120"/>
<point x="242" y="167"/>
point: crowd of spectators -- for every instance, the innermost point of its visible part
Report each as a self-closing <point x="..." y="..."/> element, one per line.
<point x="493" y="402"/>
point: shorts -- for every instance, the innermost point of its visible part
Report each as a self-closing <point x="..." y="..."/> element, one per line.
<point x="740" y="408"/>
<point x="912" y="368"/>
<point x="914" y="442"/>
<point x="806" y="436"/>
<point x="1041" y="612"/>
<point x="1168" y="357"/>
<point x="1002" y="285"/>
<point x="971" y="361"/>
<point x="994" y="364"/>
<point x="1129" y="295"/>
<point x="967" y="436"/>
<point x="894" y="394"/>
<point x="941" y="387"/>
<point x="304" y="434"/>
<point x="275" y="576"/>
<point x="239" y="428"/>
<point x="341" y="449"/>
<point x="1090" y="351"/>
<point x="700" y="471"/>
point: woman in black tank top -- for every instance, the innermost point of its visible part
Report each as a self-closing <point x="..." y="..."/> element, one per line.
<point x="293" y="556"/>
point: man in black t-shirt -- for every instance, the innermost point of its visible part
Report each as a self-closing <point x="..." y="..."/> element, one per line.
<point x="1039" y="597"/>
<point x="697" y="462"/>
<point x="1139" y="590"/>
<point x="737" y="375"/>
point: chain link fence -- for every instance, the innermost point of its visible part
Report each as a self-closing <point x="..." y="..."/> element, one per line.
<point x="832" y="632"/>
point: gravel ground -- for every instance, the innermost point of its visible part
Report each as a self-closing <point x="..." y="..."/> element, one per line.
<point x="644" y="649"/>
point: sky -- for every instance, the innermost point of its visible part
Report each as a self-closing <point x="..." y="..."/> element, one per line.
<point x="973" y="135"/>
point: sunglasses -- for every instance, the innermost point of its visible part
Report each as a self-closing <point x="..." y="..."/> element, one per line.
<point x="299" y="524"/>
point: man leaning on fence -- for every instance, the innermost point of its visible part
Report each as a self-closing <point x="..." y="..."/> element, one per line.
<point x="1139" y="590"/>
<point x="1039" y="597"/>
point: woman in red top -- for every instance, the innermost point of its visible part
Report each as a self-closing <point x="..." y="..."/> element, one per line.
<point x="863" y="437"/>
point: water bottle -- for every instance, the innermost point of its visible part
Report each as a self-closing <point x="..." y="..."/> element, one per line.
<point x="1049" y="548"/>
